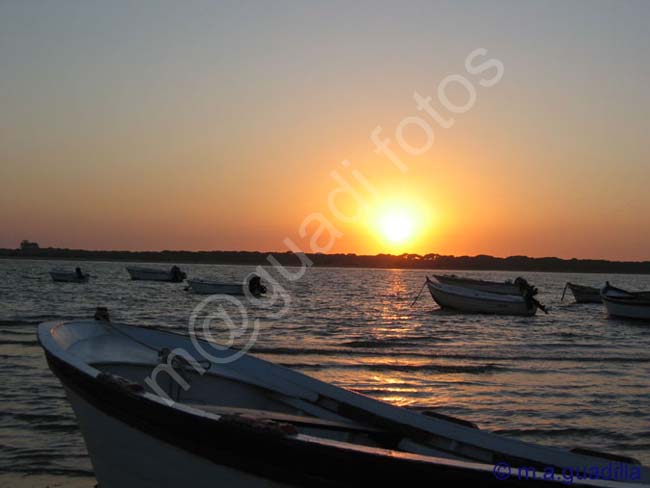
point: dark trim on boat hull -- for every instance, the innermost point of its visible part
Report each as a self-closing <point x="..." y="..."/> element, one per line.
<point x="270" y="455"/>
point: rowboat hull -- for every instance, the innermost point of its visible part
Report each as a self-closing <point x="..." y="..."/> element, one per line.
<point x="153" y="274"/>
<point x="126" y="457"/>
<point x="585" y="294"/>
<point x="202" y="287"/>
<point x="136" y="438"/>
<point x="68" y="277"/>
<point x="505" y="288"/>
<point x="473" y="301"/>
<point x="124" y="454"/>
<point x="627" y="310"/>
<point x="625" y="304"/>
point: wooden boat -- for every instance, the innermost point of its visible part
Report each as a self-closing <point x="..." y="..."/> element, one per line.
<point x="626" y="304"/>
<point x="174" y="274"/>
<point x="474" y="301"/>
<point x="583" y="294"/>
<point x="246" y="422"/>
<point x="208" y="287"/>
<point x="502" y="288"/>
<point x="65" y="276"/>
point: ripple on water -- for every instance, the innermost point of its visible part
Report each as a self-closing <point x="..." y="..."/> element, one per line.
<point x="573" y="378"/>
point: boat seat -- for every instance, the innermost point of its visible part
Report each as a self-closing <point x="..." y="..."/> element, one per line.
<point x="297" y="420"/>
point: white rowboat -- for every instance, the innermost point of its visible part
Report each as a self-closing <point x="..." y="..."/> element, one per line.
<point x="207" y="287"/>
<point x="174" y="274"/>
<point x="502" y="288"/>
<point x="239" y="421"/>
<point x="474" y="301"/>
<point x="621" y="303"/>
<point x="583" y="294"/>
<point x="64" y="276"/>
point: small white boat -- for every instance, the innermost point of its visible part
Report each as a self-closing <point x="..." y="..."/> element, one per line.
<point x="207" y="287"/>
<point x="174" y="274"/>
<point x="502" y="288"/>
<point x="65" y="276"/>
<point x="474" y="301"/>
<point x="583" y="294"/>
<point x="246" y="422"/>
<point x="626" y="304"/>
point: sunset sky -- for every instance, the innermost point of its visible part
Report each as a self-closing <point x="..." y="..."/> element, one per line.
<point x="217" y="125"/>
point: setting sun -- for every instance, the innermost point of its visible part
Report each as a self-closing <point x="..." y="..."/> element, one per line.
<point x="397" y="226"/>
<point x="400" y="223"/>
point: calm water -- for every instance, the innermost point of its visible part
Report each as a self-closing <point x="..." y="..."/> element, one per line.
<point x="572" y="378"/>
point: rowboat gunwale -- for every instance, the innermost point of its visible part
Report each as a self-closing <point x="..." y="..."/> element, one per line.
<point x="78" y="374"/>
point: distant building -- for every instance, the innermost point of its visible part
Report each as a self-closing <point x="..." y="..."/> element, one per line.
<point x="27" y="246"/>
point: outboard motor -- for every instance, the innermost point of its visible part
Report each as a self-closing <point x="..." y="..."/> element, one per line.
<point x="255" y="286"/>
<point x="529" y="292"/>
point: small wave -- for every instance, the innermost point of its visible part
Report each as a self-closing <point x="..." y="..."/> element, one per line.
<point x="551" y="433"/>
<point x="56" y="427"/>
<point x="5" y="342"/>
<point x="631" y="446"/>
<point x="397" y="342"/>
<point x="19" y="332"/>
<point x="529" y="358"/>
<point x="9" y="323"/>
<point x="376" y="344"/>
<point x="288" y="351"/>
<point x="36" y="418"/>
<point x="432" y="368"/>
<point x="36" y="471"/>
<point x="64" y="428"/>
<point x="11" y="357"/>
<point x="371" y="344"/>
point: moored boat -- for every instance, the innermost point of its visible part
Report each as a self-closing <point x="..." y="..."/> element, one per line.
<point x="583" y="294"/>
<point x="474" y="301"/>
<point x="502" y="288"/>
<point x="219" y="421"/>
<point x="174" y="274"/>
<point x="626" y="304"/>
<point x="65" y="276"/>
<point x="208" y="287"/>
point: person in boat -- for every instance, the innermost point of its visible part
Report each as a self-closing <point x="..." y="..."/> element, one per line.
<point x="79" y="273"/>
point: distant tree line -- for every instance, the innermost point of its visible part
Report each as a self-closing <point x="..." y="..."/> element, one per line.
<point x="407" y="261"/>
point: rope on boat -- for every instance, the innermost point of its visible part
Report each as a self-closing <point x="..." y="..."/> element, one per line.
<point x="421" y="290"/>
<point x="539" y="305"/>
<point x="566" y="287"/>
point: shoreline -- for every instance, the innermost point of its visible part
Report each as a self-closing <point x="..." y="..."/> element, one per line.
<point x="459" y="264"/>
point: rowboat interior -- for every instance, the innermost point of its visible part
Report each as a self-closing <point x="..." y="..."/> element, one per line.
<point x="170" y="370"/>
<point x="225" y="391"/>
